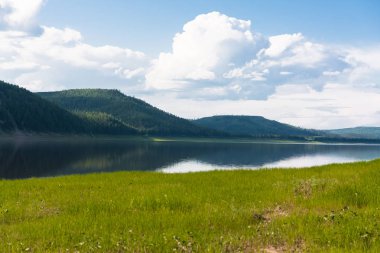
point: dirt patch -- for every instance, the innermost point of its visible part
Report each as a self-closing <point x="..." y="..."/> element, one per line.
<point x="298" y="246"/>
<point x="304" y="189"/>
<point x="269" y="214"/>
<point x="45" y="211"/>
<point x="272" y="249"/>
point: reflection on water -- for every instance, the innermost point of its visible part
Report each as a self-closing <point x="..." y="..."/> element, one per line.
<point x="50" y="158"/>
<point x="292" y="162"/>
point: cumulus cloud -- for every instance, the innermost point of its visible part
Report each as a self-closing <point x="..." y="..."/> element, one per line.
<point x="278" y="44"/>
<point x="19" y="14"/>
<point x="291" y="59"/>
<point x="45" y="58"/>
<point x="208" y="46"/>
<point x="221" y="57"/>
<point x="366" y="70"/>
<point x="29" y="59"/>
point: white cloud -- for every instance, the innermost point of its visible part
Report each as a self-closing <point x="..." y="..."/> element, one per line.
<point x="57" y="55"/>
<point x="19" y="13"/>
<point x="279" y="43"/>
<point x="51" y="57"/>
<point x="366" y="71"/>
<point x="205" y="49"/>
<point x="215" y="53"/>
<point x="331" y="73"/>
<point x="36" y="85"/>
<point x="291" y="59"/>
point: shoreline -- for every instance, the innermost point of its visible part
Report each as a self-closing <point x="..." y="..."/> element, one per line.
<point x="28" y="137"/>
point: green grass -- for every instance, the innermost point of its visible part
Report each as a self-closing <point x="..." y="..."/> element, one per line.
<point x="332" y="208"/>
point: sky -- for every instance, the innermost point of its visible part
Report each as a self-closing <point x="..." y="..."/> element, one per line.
<point x="313" y="64"/>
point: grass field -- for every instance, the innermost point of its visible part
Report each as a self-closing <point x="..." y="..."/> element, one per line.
<point x="333" y="208"/>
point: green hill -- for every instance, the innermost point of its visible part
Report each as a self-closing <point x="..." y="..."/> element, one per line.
<point x="24" y="111"/>
<point x="100" y="111"/>
<point x="254" y="126"/>
<point x="103" y="123"/>
<point x="357" y="132"/>
<point x="133" y="112"/>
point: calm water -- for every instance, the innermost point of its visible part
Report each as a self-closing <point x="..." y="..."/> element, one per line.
<point x="51" y="158"/>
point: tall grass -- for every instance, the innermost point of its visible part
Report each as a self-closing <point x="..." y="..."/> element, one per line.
<point x="332" y="208"/>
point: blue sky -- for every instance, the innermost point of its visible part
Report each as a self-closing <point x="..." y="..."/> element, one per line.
<point x="313" y="64"/>
<point x="149" y="26"/>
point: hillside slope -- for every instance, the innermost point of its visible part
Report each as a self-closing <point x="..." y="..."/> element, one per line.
<point x="24" y="111"/>
<point x="254" y="126"/>
<point x="357" y="132"/>
<point x="133" y="112"/>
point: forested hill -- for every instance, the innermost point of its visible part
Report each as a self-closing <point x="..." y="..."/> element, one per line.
<point x="24" y="111"/>
<point x="133" y="112"/>
<point x="254" y="126"/>
<point x="110" y="112"/>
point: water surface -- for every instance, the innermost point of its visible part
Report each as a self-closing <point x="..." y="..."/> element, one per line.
<point x="24" y="159"/>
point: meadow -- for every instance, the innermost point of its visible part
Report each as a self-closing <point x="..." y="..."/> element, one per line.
<point x="334" y="208"/>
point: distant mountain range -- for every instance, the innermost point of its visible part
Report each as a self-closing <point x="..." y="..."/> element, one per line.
<point x="357" y="132"/>
<point x="110" y="112"/>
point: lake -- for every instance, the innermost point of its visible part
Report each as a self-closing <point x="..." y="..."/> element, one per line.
<point x="46" y="158"/>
